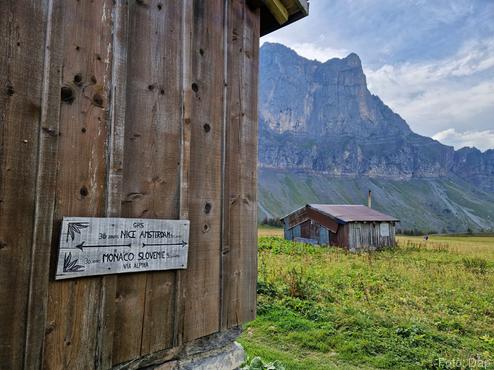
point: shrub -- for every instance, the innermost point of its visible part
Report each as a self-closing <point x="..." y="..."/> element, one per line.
<point x="266" y="289"/>
<point x="299" y="285"/>
<point x="475" y="265"/>
<point x="257" y="364"/>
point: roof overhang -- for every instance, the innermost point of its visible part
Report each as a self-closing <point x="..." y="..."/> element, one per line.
<point x="276" y="14"/>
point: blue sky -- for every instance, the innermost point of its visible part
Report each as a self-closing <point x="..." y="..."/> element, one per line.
<point x="431" y="61"/>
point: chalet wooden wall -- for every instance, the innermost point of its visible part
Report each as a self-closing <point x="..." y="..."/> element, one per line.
<point x="139" y="108"/>
<point x="361" y="235"/>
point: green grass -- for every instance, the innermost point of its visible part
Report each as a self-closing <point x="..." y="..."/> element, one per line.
<point x="411" y="307"/>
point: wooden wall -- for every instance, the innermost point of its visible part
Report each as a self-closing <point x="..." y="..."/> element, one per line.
<point x="308" y="230"/>
<point x="367" y="235"/>
<point x="141" y="108"/>
<point x="340" y="238"/>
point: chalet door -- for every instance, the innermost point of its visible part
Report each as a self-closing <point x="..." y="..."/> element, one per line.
<point x="357" y="236"/>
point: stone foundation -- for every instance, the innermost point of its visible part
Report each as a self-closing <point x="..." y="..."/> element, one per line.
<point x="217" y="351"/>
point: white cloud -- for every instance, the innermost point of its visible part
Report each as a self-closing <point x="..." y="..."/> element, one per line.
<point x="482" y="140"/>
<point x="455" y="92"/>
<point x="473" y="57"/>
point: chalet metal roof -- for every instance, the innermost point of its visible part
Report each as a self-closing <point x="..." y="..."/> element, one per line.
<point x="352" y="213"/>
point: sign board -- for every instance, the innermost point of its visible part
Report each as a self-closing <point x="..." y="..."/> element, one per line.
<point x="384" y="229"/>
<point x="100" y="246"/>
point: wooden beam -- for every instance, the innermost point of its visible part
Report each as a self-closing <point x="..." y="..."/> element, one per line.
<point x="302" y="7"/>
<point x="239" y="226"/>
<point x="71" y="338"/>
<point x="23" y="201"/>
<point x="278" y="10"/>
<point x="114" y="174"/>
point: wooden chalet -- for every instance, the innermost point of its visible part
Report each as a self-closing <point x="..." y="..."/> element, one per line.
<point x="129" y="109"/>
<point x="355" y="227"/>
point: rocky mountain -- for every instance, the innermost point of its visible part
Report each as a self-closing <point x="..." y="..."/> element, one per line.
<point x="319" y="122"/>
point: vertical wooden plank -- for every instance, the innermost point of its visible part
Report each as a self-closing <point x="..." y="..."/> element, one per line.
<point x="248" y="276"/>
<point x="186" y="26"/>
<point x="114" y="176"/>
<point x="202" y="278"/>
<point x="158" y="323"/>
<point x="229" y="183"/>
<point x="45" y="196"/>
<point x="239" y="249"/>
<point x="73" y="306"/>
<point x="22" y="31"/>
<point x="145" y="304"/>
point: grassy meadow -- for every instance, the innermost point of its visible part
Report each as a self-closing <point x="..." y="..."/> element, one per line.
<point x="421" y="305"/>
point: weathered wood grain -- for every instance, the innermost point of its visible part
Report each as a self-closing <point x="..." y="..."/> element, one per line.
<point x="158" y="324"/>
<point x="45" y="196"/>
<point x="73" y="306"/>
<point x="248" y="257"/>
<point x="234" y="29"/>
<point x="239" y="237"/>
<point x="22" y="30"/>
<point x="203" y="272"/>
<point x="114" y="175"/>
<point x="145" y="303"/>
<point x="180" y="297"/>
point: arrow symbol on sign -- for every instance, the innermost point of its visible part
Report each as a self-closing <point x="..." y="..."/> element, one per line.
<point x="81" y="246"/>
<point x="182" y="243"/>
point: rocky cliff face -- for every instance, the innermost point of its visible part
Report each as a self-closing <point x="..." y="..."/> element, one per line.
<point x="321" y="117"/>
<point x="475" y="167"/>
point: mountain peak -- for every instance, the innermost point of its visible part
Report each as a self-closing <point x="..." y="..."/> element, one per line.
<point x="310" y="97"/>
<point x="353" y="60"/>
<point x="274" y="47"/>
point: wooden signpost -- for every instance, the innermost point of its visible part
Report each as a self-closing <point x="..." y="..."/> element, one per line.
<point x="100" y="246"/>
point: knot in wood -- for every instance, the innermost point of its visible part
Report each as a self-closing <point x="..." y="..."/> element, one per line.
<point x="10" y="90"/>
<point x="84" y="192"/>
<point x="67" y="94"/>
<point x="78" y="79"/>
